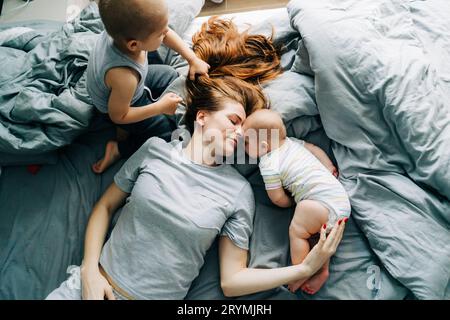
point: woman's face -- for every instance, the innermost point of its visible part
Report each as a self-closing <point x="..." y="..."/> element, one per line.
<point x="223" y="128"/>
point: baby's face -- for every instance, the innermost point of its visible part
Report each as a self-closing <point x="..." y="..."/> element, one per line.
<point x="254" y="147"/>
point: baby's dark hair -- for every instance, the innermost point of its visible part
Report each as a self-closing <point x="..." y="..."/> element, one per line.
<point x="126" y="20"/>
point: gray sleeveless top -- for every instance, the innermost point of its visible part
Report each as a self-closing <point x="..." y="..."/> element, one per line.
<point x="104" y="57"/>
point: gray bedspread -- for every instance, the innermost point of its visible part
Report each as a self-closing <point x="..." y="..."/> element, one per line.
<point x="382" y="87"/>
<point x="365" y="118"/>
<point x="44" y="104"/>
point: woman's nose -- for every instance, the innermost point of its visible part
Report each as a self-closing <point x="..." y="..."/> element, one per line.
<point x="239" y="130"/>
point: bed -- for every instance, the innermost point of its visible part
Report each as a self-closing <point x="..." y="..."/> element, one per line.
<point x="393" y="160"/>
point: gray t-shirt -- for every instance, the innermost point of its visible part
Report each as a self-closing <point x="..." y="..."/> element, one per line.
<point x="104" y="57"/>
<point x="175" y="210"/>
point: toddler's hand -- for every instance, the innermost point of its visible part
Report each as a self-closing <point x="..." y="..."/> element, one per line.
<point x="198" y="66"/>
<point x="169" y="103"/>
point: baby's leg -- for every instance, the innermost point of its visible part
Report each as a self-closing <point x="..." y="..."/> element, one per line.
<point x="308" y="218"/>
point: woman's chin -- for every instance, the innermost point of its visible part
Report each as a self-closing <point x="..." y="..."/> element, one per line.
<point x="230" y="149"/>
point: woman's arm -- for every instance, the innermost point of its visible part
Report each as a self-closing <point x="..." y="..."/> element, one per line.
<point x="94" y="284"/>
<point x="237" y="279"/>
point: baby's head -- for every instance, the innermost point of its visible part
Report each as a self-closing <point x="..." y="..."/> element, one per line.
<point x="264" y="131"/>
<point x="135" y="25"/>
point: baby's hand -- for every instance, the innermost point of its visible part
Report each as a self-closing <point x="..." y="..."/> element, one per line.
<point x="169" y="103"/>
<point x="198" y="66"/>
<point x="334" y="171"/>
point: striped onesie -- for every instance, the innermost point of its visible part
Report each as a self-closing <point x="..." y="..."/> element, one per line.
<point x="294" y="168"/>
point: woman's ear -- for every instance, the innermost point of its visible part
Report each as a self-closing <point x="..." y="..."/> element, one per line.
<point x="201" y="117"/>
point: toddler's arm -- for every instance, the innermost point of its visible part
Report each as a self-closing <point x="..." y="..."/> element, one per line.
<point x="196" y="65"/>
<point x="280" y="198"/>
<point x="123" y="83"/>
<point x="322" y="157"/>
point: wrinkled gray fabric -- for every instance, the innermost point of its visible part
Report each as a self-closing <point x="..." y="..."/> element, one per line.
<point x="41" y="220"/>
<point x="43" y="100"/>
<point x="382" y="89"/>
<point x="44" y="104"/>
<point x="43" y="216"/>
<point x="356" y="273"/>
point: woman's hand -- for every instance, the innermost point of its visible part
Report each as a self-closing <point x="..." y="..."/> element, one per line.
<point x="95" y="286"/>
<point x="197" y="66"/>
<point x="325" y="248"/>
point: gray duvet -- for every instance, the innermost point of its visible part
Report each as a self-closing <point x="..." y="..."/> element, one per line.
<point x="381" y="74"/>
<point x="397" y="239"/>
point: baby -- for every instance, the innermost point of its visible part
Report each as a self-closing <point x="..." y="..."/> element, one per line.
<point x="308" y="175"/>
<point x="126" y="77"/>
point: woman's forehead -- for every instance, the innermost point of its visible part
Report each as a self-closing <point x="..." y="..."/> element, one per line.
<point x="232" y="107"/>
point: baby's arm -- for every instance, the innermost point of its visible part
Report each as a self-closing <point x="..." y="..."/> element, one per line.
<point x="123" y="83"/>
<point x="280" y="198"/>
<point x="322" y="157"/>
<point x="196" y="65"/>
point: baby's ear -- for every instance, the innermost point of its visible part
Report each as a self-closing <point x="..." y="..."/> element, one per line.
<point x="264" y="146"/>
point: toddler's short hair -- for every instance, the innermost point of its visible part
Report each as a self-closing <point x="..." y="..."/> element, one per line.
<point x="126" y="20"/>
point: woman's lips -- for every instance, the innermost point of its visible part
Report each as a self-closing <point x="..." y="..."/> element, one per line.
<point x="234" y="141"/>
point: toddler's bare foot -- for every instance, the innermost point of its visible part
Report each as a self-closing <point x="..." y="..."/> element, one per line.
<point x="313" y="284"/>
<point x="111" y="156"/>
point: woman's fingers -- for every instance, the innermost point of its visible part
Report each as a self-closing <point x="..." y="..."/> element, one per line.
<point x="332" y="235"/>
<point x="109" y="293"/>
<point x="323" y="235"/>
<point x="335" y="236"/>
<point x="340" y="232"/>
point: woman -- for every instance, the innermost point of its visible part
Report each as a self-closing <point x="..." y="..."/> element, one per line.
<point x="177" y="201"/>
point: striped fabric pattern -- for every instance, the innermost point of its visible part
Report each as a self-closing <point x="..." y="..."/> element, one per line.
<point x="297" y="170"/>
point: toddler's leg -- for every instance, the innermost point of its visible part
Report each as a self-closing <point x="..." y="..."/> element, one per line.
<point x="156" y="126"/>
<point x="308" y="218"/>
<point x="159" y="77"/>
<point x="111" y="155"/>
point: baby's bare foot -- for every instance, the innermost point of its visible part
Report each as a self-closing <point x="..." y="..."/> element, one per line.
<point x="111" y="156"/>
<point x="313" y="284"/>
<point x="294" y="286"/>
